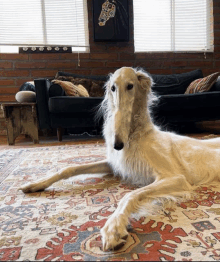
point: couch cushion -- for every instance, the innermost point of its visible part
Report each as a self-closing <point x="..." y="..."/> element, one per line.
<point x="188" y="101"/>
<point x="55" y="90"/>
<point x="216" y="86"/>
<point x="65" y="104"/>
<point x="175" y="83"/>
<point x="202" y="84"/>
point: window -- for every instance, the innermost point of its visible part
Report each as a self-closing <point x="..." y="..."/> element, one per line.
<point x="44" y="23"/>
<point x="173" y="25"/>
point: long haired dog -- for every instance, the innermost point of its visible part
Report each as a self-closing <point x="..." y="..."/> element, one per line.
<point x="166" y="165"/>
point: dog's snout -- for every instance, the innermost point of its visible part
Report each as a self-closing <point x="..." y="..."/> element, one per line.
<point x="118" y="145"/>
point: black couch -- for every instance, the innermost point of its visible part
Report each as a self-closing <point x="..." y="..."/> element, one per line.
<point x="173" y="110"/>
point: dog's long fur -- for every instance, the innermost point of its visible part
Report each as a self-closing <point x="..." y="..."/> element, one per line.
<point x="165" y="164"/>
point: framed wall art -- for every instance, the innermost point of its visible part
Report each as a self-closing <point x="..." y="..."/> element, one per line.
<point x="111" y="20"/>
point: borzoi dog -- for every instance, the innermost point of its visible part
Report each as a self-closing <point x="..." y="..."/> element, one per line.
<point x="165" y="164"/>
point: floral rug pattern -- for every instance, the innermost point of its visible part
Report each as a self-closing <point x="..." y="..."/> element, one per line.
<point x="63" y="222"/>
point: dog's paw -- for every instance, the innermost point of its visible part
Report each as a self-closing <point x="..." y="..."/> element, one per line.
<point x="114" y="234"/>
<point x="33" y="187"/>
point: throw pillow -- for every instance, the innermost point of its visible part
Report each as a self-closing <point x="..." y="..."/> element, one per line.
<point x="71" y="89"/>
<point x="202" y="84"/>
<point x="72" y="75"/>
<point x="94" y="87"/>
<point x="28" y="86"/>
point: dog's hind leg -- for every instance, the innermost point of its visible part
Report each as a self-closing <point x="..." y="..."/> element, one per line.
<point x="95" y="168"/>
<point x="114" y="233"/>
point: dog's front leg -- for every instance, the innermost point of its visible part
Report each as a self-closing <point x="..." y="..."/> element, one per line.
<point x="41" y="184"/>
<point x="114" y="233"/>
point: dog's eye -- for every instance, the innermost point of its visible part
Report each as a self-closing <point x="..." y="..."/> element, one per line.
<point x="129" y="87"/>
<point x="113" y="88"/>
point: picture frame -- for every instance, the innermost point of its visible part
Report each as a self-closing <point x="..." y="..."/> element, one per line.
<point x="111" y="20"/>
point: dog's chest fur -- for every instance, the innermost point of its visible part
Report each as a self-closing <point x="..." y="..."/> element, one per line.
<point x="130" y="165"/>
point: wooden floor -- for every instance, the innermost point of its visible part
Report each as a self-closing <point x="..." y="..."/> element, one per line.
<point x="23" y="141"/>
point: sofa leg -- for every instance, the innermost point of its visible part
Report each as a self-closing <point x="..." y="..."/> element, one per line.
<point x="59" y="133"/>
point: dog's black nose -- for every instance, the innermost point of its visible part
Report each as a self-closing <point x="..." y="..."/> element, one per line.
<point x="118" y="145"/>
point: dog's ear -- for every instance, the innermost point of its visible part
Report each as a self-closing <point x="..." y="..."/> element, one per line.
<point x="144" y="79"/>
<point x="108" y="82"/>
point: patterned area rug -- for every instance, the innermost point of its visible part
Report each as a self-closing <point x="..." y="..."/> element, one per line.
<point x="63" y="222"/>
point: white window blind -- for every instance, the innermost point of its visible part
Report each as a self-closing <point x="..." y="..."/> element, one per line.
<point x="173" y="25"/>
<point x="44" y="23"/>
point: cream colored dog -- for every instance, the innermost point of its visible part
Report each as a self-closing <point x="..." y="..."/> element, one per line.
<point x="163" y="163"/>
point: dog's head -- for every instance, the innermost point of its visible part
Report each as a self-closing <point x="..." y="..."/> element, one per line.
<point x="126" y="91"/>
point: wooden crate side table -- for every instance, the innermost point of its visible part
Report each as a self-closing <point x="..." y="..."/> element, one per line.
<point x="21" y="118"/>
